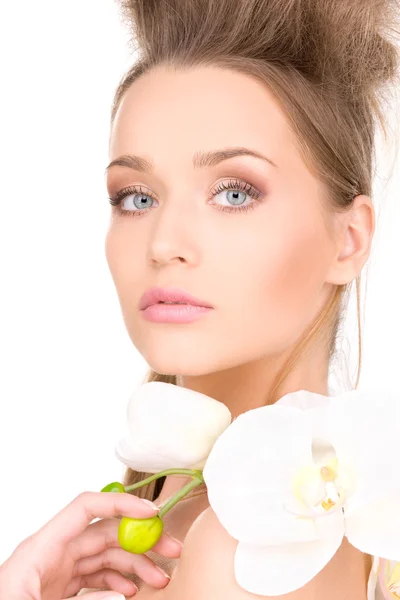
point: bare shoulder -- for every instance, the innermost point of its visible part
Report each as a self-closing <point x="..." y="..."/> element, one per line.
<point x="206" y="565"/>
<point x="205" y="568"/>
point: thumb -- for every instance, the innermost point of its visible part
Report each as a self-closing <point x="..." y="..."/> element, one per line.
<point x="102" y="596"/>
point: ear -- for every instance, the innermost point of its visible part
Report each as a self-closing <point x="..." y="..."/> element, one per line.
<point x="357" y="227"/>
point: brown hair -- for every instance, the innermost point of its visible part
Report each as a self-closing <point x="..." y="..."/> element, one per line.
<point x="325" y="61"/>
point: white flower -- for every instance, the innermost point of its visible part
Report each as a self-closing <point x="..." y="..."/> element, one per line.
<point x="170" y="427"/>
<point x="289" y="481"/>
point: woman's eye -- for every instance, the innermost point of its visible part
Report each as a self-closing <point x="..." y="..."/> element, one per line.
<point x="132" y="201"/>
<point x="233" y="194"/>
<point x="139" y="201"/>
<point x="232" y="197"/>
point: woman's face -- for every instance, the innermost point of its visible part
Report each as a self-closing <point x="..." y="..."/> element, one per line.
<point x="265" y="270"/>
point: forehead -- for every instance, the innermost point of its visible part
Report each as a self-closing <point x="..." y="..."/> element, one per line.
<point x="168" y="111"/>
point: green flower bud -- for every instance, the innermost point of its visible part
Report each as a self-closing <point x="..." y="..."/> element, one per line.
<point x="139" y="535"/>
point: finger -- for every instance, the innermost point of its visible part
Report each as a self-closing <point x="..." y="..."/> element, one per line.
<point x="103" y="534"/>
<point x="168" y="546"/>
<point x="96" y="538"/>
<point x="124" y="562"/>
<point x="107" y="578"/>
<point x="72" y="520"/>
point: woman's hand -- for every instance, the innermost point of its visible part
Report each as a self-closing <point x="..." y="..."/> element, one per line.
<point x="69" y="553"/>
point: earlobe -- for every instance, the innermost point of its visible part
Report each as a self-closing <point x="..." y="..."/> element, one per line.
<point x="355" y="242"/>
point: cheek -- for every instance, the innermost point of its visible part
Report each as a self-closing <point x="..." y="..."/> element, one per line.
<point x="115" y="256"/>
<point x="124" y="269"/>
<point x="277" y="286"/>
<point x="290" y="271"/>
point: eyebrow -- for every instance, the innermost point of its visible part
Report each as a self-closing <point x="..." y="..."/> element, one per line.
<point x="200" y="159"/>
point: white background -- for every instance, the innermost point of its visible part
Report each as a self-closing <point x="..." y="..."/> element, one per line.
<point x="67" y="363"/>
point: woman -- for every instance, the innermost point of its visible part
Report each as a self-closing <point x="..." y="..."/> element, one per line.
<point x="242" y="143"/>
<point x="297" y="82"/>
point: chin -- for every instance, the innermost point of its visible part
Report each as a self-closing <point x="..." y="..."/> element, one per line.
<point x="185" y="365"/>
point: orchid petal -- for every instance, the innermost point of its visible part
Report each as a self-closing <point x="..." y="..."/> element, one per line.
<point x="250" y="472"/>
<point x="145" y="457"/>
<point x="375" y="529"/>
<point x="170" y="427"/>
<point x="364" y="432"/>
<point x="276" y="570"/>
<point x="315" y="406"/>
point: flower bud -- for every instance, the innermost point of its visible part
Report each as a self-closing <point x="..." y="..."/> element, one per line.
<point x="139" y="535"/>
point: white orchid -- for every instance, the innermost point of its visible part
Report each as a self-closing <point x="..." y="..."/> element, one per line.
<point x="170" y="427"/>
<point x="289" y="481"/>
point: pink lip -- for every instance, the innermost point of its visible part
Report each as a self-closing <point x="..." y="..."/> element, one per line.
<point x="174" y="313"/>
<point x="155" y="295"/>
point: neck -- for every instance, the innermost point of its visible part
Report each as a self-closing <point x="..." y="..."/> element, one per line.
<point x="247" y="386"/>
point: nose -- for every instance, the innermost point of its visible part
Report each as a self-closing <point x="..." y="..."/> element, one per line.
<point x="172" y="236"/>
<point x="165" y="257"/>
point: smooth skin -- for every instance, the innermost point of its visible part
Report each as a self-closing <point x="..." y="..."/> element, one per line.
<point x="70" y="552"/>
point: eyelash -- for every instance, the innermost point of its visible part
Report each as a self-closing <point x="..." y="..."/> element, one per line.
<point x="233" y="184"/>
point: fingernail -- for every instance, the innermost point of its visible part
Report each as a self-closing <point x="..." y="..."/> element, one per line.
<point x="151" y="504"/>
<point x="162" y="572"/>
<point x="135" y="587"/>
<point x="176" y="541"/>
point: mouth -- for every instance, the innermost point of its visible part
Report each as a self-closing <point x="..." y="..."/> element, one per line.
<point x="174" y="312"/>
<point x="170" y="296"/>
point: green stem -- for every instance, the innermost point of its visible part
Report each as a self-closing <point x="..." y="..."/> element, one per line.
<point x="192" y="472"/>
<point x="170" y="503"/>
